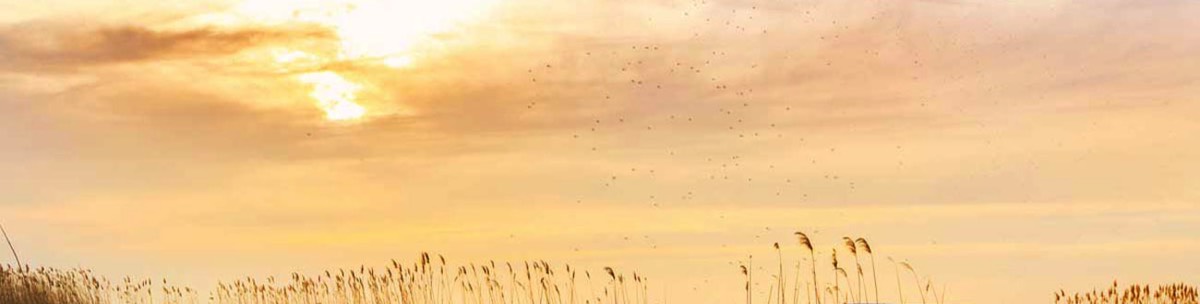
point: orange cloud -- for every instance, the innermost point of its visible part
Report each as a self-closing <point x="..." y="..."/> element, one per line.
<point x="48" y="46"/>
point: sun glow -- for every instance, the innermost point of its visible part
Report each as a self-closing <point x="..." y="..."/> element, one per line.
<point x="379" y="32"/>
<point x="335" y="95"/>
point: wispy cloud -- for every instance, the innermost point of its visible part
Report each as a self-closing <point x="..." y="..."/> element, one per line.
<point x="49" y="46"/>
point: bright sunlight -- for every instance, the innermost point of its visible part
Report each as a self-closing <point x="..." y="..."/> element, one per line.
<point x="381" y="32"/>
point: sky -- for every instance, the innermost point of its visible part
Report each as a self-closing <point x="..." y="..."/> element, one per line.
<point x="1005" y="148"/>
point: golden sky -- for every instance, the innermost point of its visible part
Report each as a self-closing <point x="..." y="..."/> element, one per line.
<point x="1006" y="148"/>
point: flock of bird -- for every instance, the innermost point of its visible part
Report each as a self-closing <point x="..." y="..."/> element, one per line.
<point x="700" y="119"/>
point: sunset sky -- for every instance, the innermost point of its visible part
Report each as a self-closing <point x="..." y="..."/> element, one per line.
<point x="1005" y="148"/>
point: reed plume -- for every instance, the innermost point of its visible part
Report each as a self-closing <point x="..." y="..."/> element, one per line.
<point x="836" y="288"/>
<point x="916" y="279"/>
<point x="834" y="292"/>
<point x="850" y="245"/>
<point x="780" y="280"/>
<point x="930" y="289"/>
<point x="808" y="245"/>
<point x="864" y="246"/>
<point x="746" y="273"/>
<point x="899" y="288"/>
<point x="1133" y="294"/>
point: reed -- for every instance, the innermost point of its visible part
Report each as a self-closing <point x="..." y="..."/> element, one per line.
<point x="841" y="272"/>
<point x="866" y="247"/>
<point x="424" y="282"/>
<point x="836" y="289"/>
<point x="899" y="287"/>
<point x="916" y="279"/>
<point x="1133" y="294"/>
<point x="929" y="288"/>
<point x="10" y="245"/>
<point x="843" y="289"/>
<point x="26" y="285"/>
<point x="433" y="280"/>
<point x="780" y="280"/>
<point x="796" y="286"/>
<point x="804" y="241"/>
<point x="746" y="272"/>
<point x="853" y="247"/>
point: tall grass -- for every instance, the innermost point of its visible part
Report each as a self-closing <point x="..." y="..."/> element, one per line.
<point x="23" y="285"/>
<point x="426" y="281"/>
<point x="435" y="281"/>
<point x="430" y="280"/>
<point x="855" y="289"/>
<point x="1132" y="294"/>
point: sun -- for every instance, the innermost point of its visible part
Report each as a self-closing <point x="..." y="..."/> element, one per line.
<point x="335" y="95"/>
<point x="379" y="32"/>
